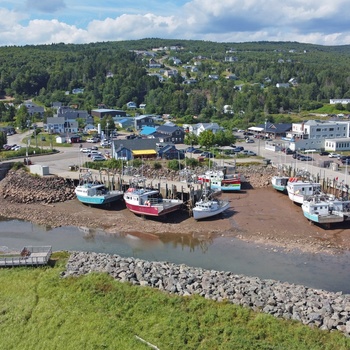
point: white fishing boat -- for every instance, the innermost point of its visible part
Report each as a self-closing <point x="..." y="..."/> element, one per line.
<point x="149" y="202"/>
<point x="298" y="189"/>
<point x="219" y="180"/>
<point x="205" y="208"/>
<point x="279" y="183"/>
<point x="325" y="210"/>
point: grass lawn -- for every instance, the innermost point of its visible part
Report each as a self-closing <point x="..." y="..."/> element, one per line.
<point x="40" y="310"/>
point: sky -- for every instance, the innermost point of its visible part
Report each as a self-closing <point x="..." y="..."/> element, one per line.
<point x="34" y="22"/>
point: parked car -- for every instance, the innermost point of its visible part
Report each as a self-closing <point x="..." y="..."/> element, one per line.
<point x="334" y="155"/>
<point x="97" y="157"/>
<point x="306" y="158"/>
<point x="94" y="153"/>
<point x="346" y="160"/>
<point x="248" y="152"/>
<point x="196" y="151"/>
<point x="247" y="140"/>
<point x="207" y="154"/>
<point x="289" y="151"/>
<point x="16" y="148"/>
<point x="85" y="150"/>
<point x="324" y="153"/>
<point x="238" y="149"/>
<point x="189" y="149"/>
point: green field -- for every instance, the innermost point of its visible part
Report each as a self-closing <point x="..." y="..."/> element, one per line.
<point x="40" y="310"/>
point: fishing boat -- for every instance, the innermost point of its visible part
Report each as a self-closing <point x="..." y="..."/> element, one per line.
<point x="206" y="208"/>
<point x="326" y="210"/>
<point x="94" y="193"/>
<point x="279" y="183"/>
<point x="149" y="202"/>
<point x="225" y="179"/>
<point x="299" y="189"/>
<point x="225" y="186"/>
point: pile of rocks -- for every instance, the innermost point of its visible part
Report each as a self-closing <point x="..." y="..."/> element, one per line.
<point x="257" y="176"/>
<point x="21" y="187"/>
<point x="316" y="308"/>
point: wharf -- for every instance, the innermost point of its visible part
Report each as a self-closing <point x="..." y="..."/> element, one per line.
<point x="28" y="256"/>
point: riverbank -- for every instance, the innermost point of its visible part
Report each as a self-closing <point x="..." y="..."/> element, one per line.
<point x="257" y="214"/>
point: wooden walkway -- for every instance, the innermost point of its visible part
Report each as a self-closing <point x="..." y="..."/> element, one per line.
<point x="28" y="256"/>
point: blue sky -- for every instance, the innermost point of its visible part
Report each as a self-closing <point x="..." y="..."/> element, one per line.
<point x="32" y="22"/>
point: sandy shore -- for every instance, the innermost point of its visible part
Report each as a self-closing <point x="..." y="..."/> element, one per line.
<point x="260" y="215"/>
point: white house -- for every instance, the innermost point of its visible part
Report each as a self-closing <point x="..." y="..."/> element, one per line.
<point x="343" y="101"/>
<point x="200" y="127"/>
<point x="131" y="105"/>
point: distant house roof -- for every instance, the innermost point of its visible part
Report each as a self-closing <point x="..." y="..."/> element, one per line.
<point x="168" y="129"/>
<point x="137" y="144"/>
<point x="278" y="128"/>
<point x="147" y="130"/>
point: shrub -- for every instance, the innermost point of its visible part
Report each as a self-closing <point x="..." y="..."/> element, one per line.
<point x="157" y="166"/>
<point x="174" y="164"/>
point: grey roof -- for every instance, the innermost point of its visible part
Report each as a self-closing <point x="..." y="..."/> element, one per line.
<point x="136" y="144"/>
<point x="277" y="128"/>
<point x="168" y="129"/>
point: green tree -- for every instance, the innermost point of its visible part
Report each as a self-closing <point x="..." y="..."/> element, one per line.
<point x="206" y="139"/>
<point x="191" y="139"/>
<point x="3" y="139"/>
<point x="107" y="124"/>
<point x="22" y="117"/>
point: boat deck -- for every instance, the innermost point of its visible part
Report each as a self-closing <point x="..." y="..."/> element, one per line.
<point x="28" y="256"/>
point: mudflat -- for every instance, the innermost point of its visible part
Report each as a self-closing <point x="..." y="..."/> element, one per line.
<point x="260" y="215"/>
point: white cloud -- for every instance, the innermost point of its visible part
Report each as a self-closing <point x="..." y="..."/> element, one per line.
<point x="319" y="22"/>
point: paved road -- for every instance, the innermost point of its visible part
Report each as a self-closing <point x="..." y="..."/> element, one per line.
<point x="59" y="163"/>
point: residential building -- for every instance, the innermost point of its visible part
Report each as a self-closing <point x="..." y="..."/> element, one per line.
<point x="131" y="105"/>
<point x="200" y="127"/>
<point x="143" y="120"/>
<point x="34" y="109"/>
<point x="139" y="148"/>
<point x="102" y="112"/>
<point x="170" y="134"/>
<point x="59" y="125"/>
<point x="343" y="101"/>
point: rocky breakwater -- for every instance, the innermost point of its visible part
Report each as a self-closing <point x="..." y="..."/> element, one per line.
<point x="21" y="187"/>
<point x="316" y="308"/>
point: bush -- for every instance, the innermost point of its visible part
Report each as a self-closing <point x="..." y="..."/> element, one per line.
<point x="192" y="162"/>
<point x="157" y="166"/>
<point x="174" y="164"/>
<point x="137" y="163"/>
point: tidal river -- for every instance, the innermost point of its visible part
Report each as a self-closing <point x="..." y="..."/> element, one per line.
<point x="320" y="271"/>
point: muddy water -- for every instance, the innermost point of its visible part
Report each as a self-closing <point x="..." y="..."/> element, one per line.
<point x="223" y="254"/>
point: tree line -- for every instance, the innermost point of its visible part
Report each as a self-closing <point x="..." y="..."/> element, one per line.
<point x="114" y="73"/>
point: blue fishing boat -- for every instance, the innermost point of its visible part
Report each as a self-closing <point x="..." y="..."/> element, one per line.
<point x="225" y="186"/>
<point x="95" y="193"/>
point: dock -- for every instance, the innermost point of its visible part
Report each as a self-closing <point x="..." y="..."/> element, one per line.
<point x="28" y="256"/>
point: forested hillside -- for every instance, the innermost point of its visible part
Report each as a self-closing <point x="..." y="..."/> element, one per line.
<point x="208" y="76"/>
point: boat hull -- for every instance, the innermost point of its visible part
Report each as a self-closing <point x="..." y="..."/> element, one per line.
<point x="279" y="183"/>
<point x="154" y="210"/>
<point x="203" y="214"/>
<point x="323" y="219"/>
<point x="225" y="187"/>
<point x="99" y="200"/>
